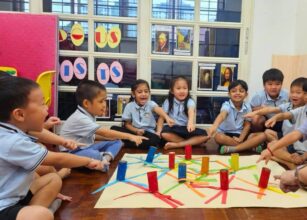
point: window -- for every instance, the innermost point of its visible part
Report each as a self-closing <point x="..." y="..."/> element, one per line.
<point x="116" y="42"/>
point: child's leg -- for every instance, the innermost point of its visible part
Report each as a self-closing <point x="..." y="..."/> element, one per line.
<point x="171" y="140"/>
<point x="271" y="135"/>
<point x="45" y="189"/>
<point x="290" y="165"/>
<point x="107" y="149"/>
<point x="253" y="140"/>
<point x="258" y="123"/>
<point x="34" y="212"/>
<point x="196" y="140"/>
<point x="223" y="139"/>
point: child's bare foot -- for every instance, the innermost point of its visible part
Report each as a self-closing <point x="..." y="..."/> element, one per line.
<point x="105" y="165"/>
<point x="171" y="145"/>
<point x="64" y="172"/>
<point x="297" y="159"/>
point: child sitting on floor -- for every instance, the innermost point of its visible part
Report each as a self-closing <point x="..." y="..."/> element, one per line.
<point x="232" y="129"/>
<point x="138" y="116"/>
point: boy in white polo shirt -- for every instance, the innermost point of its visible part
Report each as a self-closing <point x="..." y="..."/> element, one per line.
<point x="22" y="110"/>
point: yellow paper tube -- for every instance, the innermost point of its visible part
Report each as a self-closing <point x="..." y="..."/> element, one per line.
<point x="235" y="161"/>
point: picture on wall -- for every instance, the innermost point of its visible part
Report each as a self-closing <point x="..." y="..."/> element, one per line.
<point x="122" y="101"/>
<point x="226" y="76"/>
<point x="183" y="41"/>
<point x="162" y="39"/>
<point x="205" y="76"/>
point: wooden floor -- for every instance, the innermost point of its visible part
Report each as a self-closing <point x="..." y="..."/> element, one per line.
<point x="81" y="183"/>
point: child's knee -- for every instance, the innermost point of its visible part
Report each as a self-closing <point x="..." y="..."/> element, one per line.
<point x="35" y="212"/>
<point x="56" y="180"/>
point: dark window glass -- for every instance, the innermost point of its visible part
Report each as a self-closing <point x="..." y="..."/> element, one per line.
<point x="220" y="10"/>
<point x="159" y="99"/>
<point x="173" y="9"/>
<point x="74" y="81"/>
<point x="14" y="5"/>
<point x="128" y="43"/>
<point x="66" y="6"/>
<point x="67" y="44"/>
<point x="163" y="71"/>
<point x="129" y="72"/>
<point x="208" y="108"/>
<point x="118" y="8"/>
<point x="219" y="42"/>
<point x="67" y="104"/>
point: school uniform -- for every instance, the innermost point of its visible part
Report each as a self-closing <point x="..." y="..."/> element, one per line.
<point x="261" y="98"/>
<point x="299" y="115"/>
<point x="233" y="124"/>
<point x="141" y="117"/>
<point x="303" y="130"/>
<point x="181" y="119"/>
<point x="81" y="127"/>
<point x="19" y="157"/>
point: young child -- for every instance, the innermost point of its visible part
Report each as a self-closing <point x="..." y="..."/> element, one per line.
<point x="272" y="95"/>
<point x="81" y="126"/>
<point x="181" y="108"/>
<point x="296" y="116"/>
<point x="287" y="156"/>
<point x="21" y="196"/>
<point x="232" y="129"/>
<point x="138" y="116"/>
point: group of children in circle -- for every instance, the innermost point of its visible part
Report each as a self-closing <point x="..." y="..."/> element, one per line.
<point x="236" y="128"/>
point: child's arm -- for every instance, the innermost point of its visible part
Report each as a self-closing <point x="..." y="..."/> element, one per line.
<point x="285" y="141"/>
<point x="159" y="125"/>
<point x="130" y="127"/>
<point x="48" y="137"/>
<point x="70" y="161"/>
<point x="263" y="111"/>
<point x="278" y="117"/>
<point x="244" y="132"/>
<point x="219" y="119"/>
<point x="120" y="135"/>
<point x="163" y="114"/>
<point x="191" y="115"/>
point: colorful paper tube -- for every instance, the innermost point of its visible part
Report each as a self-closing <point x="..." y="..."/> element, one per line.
<point x="224" y="181"/>
<point x="151" y="154"/>
<point x="235" y="161"/>
<point x="264" y="178"/>
<point x="204" y="165"/>
<point x="121" y="170"/>
<point x="152" y="181"/>
<point x="182" y="172"/>
<point x="171" y="160"/>
<point x="188" y="152"/>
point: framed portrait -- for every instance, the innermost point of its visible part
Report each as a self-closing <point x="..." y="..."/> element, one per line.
<point x="226" y="76"/>
<point x="183" y="41"/>
<point x="205" y="76"/>
<point x="122" y="101"/>
<point x="106" y="109"/>
<point x="162" y="39"/>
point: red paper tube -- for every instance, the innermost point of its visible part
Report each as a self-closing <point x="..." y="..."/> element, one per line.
<point x="224" y="179"/>
<point x="188" y="152"/>
<point x="264" y="178"/>
<point x="171" y="160"/>
<point x="152" y="181"/>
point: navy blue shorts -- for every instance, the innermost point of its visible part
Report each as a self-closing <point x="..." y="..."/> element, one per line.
<point x="182" y="131"/>
<point x="292" y="150"/>
<point x="10" y="213"/>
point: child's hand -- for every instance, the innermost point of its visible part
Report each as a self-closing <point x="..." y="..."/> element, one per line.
<point x="140" y="132"/>
<point x="265" y="155"/>
<point x="297" y="159"/>
<point x="270" y="122"/>
<point x="191" y="127"/>
<point x="170" y="122"/>
<point x="158" y="133"/>
<point x="250" y="115"/>
<point x="137" y="139"/>
<point x="51" y="122"/>
<point x="69" y="144"/>
<point x="237" y="139"/>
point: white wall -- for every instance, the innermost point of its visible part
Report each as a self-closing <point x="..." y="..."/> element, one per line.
<point x="278" y="27"/>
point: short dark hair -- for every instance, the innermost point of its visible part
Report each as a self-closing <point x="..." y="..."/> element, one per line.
<point x="4" y="75"/>
<point x="14" y="92"/>
<point x="305" y="86"/>
<point x="299" y="82"/>
<point x="136" y="84"/>
<point x="237" y="83"/>
<point x="88" y="89"/>
<point x="272" y="74"/>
